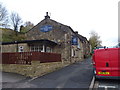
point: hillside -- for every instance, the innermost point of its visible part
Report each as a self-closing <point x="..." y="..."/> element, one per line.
<point x="9" y="35"/>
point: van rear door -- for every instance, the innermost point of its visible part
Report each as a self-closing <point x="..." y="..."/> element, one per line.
<point x="119" y="62"/>
<point x="102" y="62"/>
<point x="114" y="61"/>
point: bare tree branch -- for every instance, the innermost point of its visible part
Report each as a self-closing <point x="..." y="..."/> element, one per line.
<point x="3" y="12"/>
<point x="16" y="20"/>
<point x="3" y="16"/>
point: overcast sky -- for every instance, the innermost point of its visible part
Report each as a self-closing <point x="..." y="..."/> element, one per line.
<point x="81" y="15"/>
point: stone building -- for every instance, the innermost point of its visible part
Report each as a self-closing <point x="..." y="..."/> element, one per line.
<point x="54" y="37"/>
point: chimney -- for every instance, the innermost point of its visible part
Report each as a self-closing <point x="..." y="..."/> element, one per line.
<point x="47" y="16"/>
<point x="76" y="32"/>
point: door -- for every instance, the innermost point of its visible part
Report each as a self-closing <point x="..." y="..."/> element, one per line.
<point x="114" y="61"/>
<point x="102" y="62"/>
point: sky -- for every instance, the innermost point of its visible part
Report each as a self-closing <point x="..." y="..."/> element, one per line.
<point x="83" y="16"/>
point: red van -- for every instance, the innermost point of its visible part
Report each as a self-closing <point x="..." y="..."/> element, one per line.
<point x="106" y="63"/>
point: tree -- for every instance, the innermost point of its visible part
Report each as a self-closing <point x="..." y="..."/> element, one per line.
<point x="29" y="25"/>
<point x="3" y="15"/>
<point x="26" y="27"/>
<point x="16" y="21"/>
<point x="94" y="40"/>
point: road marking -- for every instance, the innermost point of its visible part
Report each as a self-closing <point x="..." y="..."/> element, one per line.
<point x="92" y="83"/>
<point x="96" y="84"/>
<point x="106" y="87"/>
<point x="32" y="79"/>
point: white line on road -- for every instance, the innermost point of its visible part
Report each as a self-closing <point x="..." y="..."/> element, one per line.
<point x="106" y="87"/>
<point x="92" y="83"/>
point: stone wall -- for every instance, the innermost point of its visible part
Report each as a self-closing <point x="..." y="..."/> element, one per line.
<point x="15" y="47"/>
<point x="25" y="47"/>
<point x="35" y="69"/>
<point x="9" y="48"/>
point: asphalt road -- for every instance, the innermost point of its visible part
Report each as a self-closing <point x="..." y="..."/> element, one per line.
<point x="78" y="75"/>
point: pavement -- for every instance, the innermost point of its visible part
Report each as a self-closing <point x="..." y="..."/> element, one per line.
<point x="78" y="75"/>
<point x="11" y="77"/>
<point x="8" y="79"/>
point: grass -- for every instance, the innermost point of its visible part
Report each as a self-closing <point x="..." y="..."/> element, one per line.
<point x="9" y="35"/>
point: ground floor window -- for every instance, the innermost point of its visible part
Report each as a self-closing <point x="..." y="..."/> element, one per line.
<point x="73" y="53"/>
<point x="36" y="48"/>
<point x="48" y="49"/>
<point x="40" y="48"/>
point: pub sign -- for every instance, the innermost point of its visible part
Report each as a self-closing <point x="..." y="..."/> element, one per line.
<point x="46" y="28"/>
<point x="74" y="40"/>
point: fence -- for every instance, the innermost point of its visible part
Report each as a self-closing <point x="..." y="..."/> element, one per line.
<point x="27" y="57"/>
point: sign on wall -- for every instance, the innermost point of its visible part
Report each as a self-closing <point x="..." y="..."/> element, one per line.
<point x="20" y="49"/>
<point x="46" y="28"/>
<point x="74" y="40"/>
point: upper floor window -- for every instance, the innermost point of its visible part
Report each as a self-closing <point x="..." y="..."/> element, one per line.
<point x="78" y="46"/>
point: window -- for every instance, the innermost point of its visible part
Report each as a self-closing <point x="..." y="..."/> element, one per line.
<point x="73" y="53"/>
<point x="48" y="49"/>
<point x="37" y="48"/>
<point x="78" y="45"/>
<point x="40" y="48"/>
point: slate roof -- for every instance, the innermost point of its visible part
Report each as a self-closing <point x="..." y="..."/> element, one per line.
<point x="30" y="41"/>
